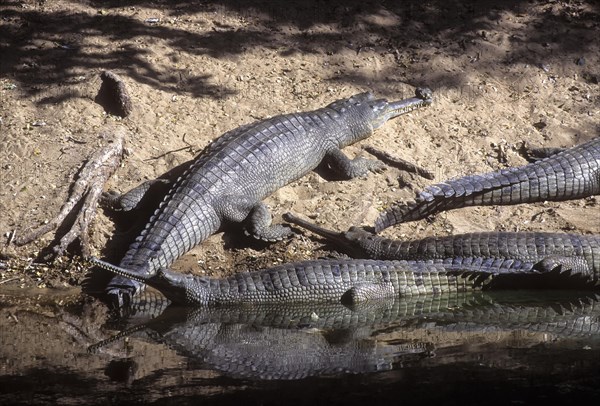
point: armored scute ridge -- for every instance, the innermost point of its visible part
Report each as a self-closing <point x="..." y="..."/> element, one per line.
<point x="571" y="174"/>
<point x="227" y="182"/>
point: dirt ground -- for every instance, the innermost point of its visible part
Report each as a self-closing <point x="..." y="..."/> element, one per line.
<point x="504" y="74"/>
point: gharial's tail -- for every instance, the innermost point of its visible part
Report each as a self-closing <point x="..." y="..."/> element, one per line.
<point x="507" y="186"/>
<point x="570" y="174"/>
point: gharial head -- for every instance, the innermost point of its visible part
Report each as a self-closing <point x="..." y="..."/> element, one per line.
<point x="178" y="288"/>
<point x="384" y="110"/>
<point x="376" y="112"/>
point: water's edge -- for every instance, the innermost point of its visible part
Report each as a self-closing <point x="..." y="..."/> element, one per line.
<point x="462" y="349"/>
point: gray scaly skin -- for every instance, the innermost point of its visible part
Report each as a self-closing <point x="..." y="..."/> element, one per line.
<point x="347" y="280"/>
<point x="268" y="353"/>
<point x="580" y="254"/>
<point x="227" y="182"/>
<point x="571" y="174"/>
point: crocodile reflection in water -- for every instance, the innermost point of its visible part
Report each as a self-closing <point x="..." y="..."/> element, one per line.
<point x="294" y="342"/>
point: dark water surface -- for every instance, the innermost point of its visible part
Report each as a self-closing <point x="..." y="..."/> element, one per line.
<point x="501" y="348"/>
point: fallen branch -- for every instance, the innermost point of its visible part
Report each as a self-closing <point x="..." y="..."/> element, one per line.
<point x="89" y="185"/>
<point x="2" y="282"/>
<point x="399" y="163"/>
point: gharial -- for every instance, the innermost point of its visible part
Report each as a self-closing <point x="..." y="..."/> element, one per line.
<point x="578" y="253"/>
<point x="228" y="180"/>
<point x="350" y="281"/>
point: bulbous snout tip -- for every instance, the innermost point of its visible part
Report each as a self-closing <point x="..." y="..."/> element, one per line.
<point x="424" y="93"/>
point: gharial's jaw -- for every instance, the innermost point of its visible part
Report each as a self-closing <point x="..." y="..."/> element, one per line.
<point x="388" y="110"/>
<point x="178" y="288"/>
<point x="117" y="270"/>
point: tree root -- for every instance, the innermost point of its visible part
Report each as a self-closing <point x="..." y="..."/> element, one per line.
<point x="86" y="191"/>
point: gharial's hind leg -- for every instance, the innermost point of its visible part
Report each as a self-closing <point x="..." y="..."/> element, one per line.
<point x="572" y="265"/>
<point x="367" y="291"/>
<point x="257" y="219"/>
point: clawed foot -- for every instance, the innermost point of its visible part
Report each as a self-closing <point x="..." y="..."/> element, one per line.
<point x="362" y="166"/>
<point x="110" y="199"/>
<point x="374" y="166"/>
<point x="274" y="233"/>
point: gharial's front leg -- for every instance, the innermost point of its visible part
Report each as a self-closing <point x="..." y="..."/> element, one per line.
<point x="255" y="216"/>
<point x="533" y="154"/>
<point x="352" y="168"/>
<point x="149" y="192"/>
<point x="365" y="291"/>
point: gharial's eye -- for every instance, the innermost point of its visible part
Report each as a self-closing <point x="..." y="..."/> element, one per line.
<point x="203" y="280"/>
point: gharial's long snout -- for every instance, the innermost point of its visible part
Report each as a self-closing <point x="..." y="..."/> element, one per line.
<point x="173" y="285"/>
<point x="423" y="97"/>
